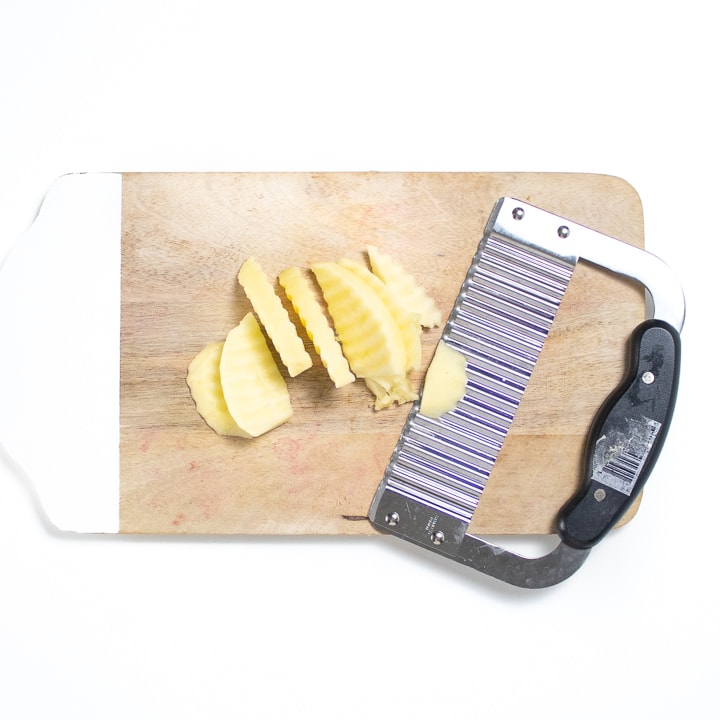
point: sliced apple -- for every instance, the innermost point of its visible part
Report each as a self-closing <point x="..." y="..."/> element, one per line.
<point x="274" y="317"/>
<point x="408" y="324"/>
<point x="203" y="379"/>
<point x="406" y="289"/>
<point x="255" y="392"/>
<point x="300" y="294"/>
<point x="370" y="338"/>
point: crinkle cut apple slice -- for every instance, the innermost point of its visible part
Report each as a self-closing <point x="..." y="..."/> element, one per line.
<point x="405" y="287"/>
<point x="255" y="392"/>
<point x="408" y="324"/>
<point x="300" y="294"/>
<point x="203" y="379"/>
<point x="370" y="338"/>
<point x="274" y="317"/>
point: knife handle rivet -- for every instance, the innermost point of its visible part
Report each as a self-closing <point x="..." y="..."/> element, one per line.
<point x="648" y="378"/>
<point x="599" y="494"/>
<point x="563" y="231"/>
<point x="518" y="213"/>
<point x="392" y="519"/>
<point x="438" y="537"/>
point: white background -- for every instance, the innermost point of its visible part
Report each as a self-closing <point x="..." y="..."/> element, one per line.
<point x="106" y="627"/>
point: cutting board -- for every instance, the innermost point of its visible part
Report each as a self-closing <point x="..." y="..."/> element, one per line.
<point x="180" y="239"/>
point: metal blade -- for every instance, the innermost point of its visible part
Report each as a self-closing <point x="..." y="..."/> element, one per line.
<point x="499" y="324"/>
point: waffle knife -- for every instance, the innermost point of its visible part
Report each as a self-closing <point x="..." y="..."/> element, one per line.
<point x="499" y="323"/>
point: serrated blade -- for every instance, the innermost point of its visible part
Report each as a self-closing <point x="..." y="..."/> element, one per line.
<point x="499" y="323"/>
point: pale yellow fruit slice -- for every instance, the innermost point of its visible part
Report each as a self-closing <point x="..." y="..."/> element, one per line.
<point x="300" y="293"/>
<point x="445" y="381"/>
<point x="274" y="317"/>
<point x="255" y="391"/>
<point x="203" y="379"/>
<point x="408" y="324"/>
<point x="370" y="338"/>
<point x="412" y="296"/>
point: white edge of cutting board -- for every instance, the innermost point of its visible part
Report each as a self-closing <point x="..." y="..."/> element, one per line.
<point x="60" y="359"/>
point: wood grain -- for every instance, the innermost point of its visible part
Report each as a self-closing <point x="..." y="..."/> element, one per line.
<point x="184" y="237"/>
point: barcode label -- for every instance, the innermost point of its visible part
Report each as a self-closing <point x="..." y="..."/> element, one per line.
<point x="619" y="458"/>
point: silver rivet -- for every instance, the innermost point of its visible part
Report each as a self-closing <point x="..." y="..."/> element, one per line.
<point x="563" y="231"/>
<point x="392" y="519"/>
<point x="518" y="213"/>
<point x="599" y="494"/>
<point x="648" y="378"/>
<point x="438" y="537"/>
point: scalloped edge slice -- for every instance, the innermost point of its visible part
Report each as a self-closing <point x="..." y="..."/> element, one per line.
<point x="274" y="317"/>
<point x="308" y="309"/>
<point x="408" y="324"/>
<point x="203" y="379"/>
<point x="370" y="338"/>
<point x="406" y="289"/>
<point x="255" y="392"/>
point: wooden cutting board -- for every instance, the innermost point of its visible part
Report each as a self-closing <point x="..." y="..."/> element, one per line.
<point x="184" y="238"/>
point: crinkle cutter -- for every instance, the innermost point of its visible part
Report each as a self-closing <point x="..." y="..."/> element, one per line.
<point x="502" y="315"/>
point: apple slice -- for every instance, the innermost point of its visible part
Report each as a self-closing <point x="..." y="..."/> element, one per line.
<point x="255" y="392"/>
<point x="203" y="379"/>
<point x="300" y="294"/>
<point x="408" y="324"/>
<point x="370" y="338"/>
<point x="412" y="296"/>
<point x="274" y="317"/>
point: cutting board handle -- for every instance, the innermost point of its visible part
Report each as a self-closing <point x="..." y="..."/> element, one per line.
<point x="59" y="295"/>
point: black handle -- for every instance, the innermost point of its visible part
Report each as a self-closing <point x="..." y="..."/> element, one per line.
<point x="626" y="436"/>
